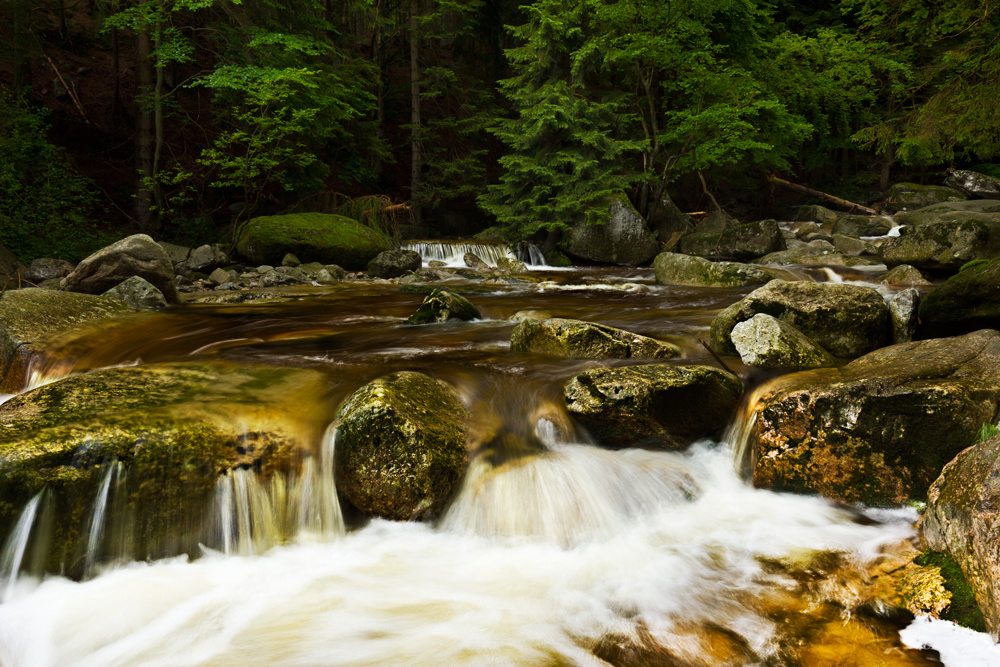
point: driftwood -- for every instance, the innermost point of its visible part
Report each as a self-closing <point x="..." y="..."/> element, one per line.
<point x="851" y="206"/>
<point x="69" y="91"/>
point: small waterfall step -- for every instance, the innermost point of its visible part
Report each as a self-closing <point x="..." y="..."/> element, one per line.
<point x="452" y="252"/>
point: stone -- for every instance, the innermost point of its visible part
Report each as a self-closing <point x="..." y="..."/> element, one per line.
<point x="441" y="306"/>
<point x="851" y="246"/>
<point x="818" y="214"/>
<point x="963" y="519"/>
<point x="846" y="320"/>
<point x="136" y="255"/>
<point x="401" y="446"/>
<point x="862" y="225"/>
<point x="220" y="276"/>
<point x="767" y="342"/>
<point x="676" y="269"/>
<point x="737" y="244"/>
<point x="206" y="259"/>
<point x="176" y="253"/>
<point x="511" y="265"/>
<point x="879" y="430"/>
<point x="622" y="239"/>
<point x="904" y="275"/>
<point x="928" y="214"/>
<point x="653" y="406"/>
<point x="473" y="261"/>
<point x="394" y="263"/>
<point x="290" y="260"/>
<point x="974" y="184"/>
<point x="138" y="293"/>
<point x="665" y="219"/>
<point x="903" y="315"/>
<point x="336" y="271"/>
<point x="177" y="426"/>
<point x="321" y="237"/>
<point x="910" y="196"/>
<point x="43" y="269"/>
<point x="30" y="318"/>
<point x="805" y="229"/>
<point x="716" y="222"/>
<point x="953" y="239"/>
<point x="530" y="314"/>
<point x="586" y="340"/>
<point x="814" y="253"/>
<point x="967" y="301"/>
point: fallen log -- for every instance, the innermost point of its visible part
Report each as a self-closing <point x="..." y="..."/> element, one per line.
<point x="851" y="206"/>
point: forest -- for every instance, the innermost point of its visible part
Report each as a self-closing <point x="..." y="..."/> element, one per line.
<point x="184" y="118"/>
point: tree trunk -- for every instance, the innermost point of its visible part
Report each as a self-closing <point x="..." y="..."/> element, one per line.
<point x="144" y="131"/>
<point x="417" y="152"/>
<point x="117" y="83"/>
<point x="887" y="159"/>
<point x="158" y="143"/>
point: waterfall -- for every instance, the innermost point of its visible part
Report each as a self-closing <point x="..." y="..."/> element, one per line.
<point x="17" y="544"/>
<point x="452" y="253"/>
<point x="96" y="531"/>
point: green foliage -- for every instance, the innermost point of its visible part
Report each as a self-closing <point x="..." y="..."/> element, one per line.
<point x="987" y="431"/>
<point x="45" y="203"/>
<point x="963" y="609"/>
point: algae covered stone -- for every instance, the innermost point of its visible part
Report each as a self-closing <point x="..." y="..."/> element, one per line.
<point x="586" y="340"/>
<point x="677" y="269"/>
<point x="659" y="406"/>
<point x="441" y="306"/>
<point x="740" y="243"/>
<point x="623" y="238"/>
<point x="946" y="244"/>
<point x="314" y="237"/>
<point x="394" y="263"/>
<point x="401" y="446"/>
<point x="767" y="342"/>
<point x="967" y="301"/>
<point x="909" y="196"/>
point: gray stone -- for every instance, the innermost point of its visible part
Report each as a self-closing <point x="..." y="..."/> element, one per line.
<point x="586" y="340"/>
<point x="676" y="269"/>
<point x="862" y="225"/>
<point x="46" y="269"/>
<point x="441" y="306"/>
<point x="815" y="253"/>
<point x="290" y="260"/>
<point x="903" y="315"/>
<point x="852" y="246"/>
<point x="910" y="196"/>
<point x="511" y="265"/>
<point x="818" y="214"/>
<point x="137" y="255"/>
<point x="622" y="239"/>
<point x="738" y="244"/>
<point x="933" y="213"/>
<point x="946" y="244"/>
<point x="220" y="276"/>
<point x="473" y="261"/>
<point x="767" y="342"/>
<point x="394" y="263"/>
<point x="264" y="268"/>
<point x="974" y="184"/>
<point x="665" y="219"/>
<point x="206" y="259"/>
<point x="904" y="275"/>
<point x="176" y="253"/>
<point x="138" y="293"/>
<point x="967" y="301"/>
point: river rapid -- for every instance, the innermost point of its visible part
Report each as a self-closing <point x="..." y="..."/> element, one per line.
<point x="569" y="555"/>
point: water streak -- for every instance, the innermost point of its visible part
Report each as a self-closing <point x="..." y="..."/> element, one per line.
<point x="17" y="543"/>
<point x="96" y="531"/>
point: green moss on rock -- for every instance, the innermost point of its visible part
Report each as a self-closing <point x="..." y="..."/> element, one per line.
<point x="313" y="237"/>
<point x="586" y="340"/>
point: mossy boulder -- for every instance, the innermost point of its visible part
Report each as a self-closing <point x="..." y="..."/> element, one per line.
<point x="394" y="263"/>
<point x="928" y="214"/>
<point x="313" y="237"/>
<point x="974" y="184"/>
<point x="904" y="275"/>
<point x="653" y="406"/>
<point x="767" y="342"/>
<point x="963" y="520"/>
<point x="880" y="429"/>
<point x="862" y="225"/>
<point x="815" y="253"/>
<point x="586" y="340"/>
<point x="967" y="301"/>
<point x="676" y="269"/>
<point x="441" y="306"/>
<point x="846" y="320"/>
<point x="944" y="245"/>
<point x="175" y="428"/>
<point x="138" y="293"/>
<point x="623" y="238"/>
<point x="910" y="196"/>
<point x="737" y="244"/>
<point x="30" y="318"/>
<point x="401" y="446"/>
<point x="136" y="255"/>
<point x="819" y="214"/>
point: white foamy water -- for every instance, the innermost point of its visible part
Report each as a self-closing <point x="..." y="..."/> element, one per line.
<point x="452" y="253"/>
<point x="958" y="646"/>
<point x="533" y="565"/>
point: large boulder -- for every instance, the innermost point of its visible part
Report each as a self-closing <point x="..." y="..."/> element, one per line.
<point x="846" y="320"/>
<point x="175" y="428"/>
<point x="963" y="518"/>
<point x="441" y="305"/>
<point x="313" y="237"/>
<point x="928" y="214"/>
<point x="586" y="340"/>
<point x="953" y="239"/>
<point x="903" y="315"/>
<point x="904" y="275"/>
<point x="394" y="263"/>
<point x="967" y="301"/>
<point x="910" y="196"/>
<point x="622" y="239"/>
<point x="138" y="293"/>
<point x="738" y="244"/>
<point x="677" y="269"/>
<point x="819" y="214"/>
<point x="45" y="268"/>
<point x="10" y="266"/>
<point x="30" y="318"/>
<point x="136" y="255"/>
<point x="401" y="446"/>
<point x="653" y="406"/>
<point x="767" y="342"/>
<point x="206" y="259"/>
<point x="862" y="225"/>
<point x="974" y="184"/>
<point x="814" y="253"/>
<point x="880" y="429"/>
<point x="665" y="219"/>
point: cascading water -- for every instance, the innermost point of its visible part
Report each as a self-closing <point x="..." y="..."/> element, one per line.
<point x="452" y="253"/>
<point x="13" y="551"/>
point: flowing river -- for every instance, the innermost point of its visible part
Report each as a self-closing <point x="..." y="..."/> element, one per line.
<point x="566" y="554"/>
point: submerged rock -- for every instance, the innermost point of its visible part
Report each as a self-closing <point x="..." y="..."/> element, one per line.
<point x="622" y="239"/>
<point x="963" y="519"/>
<point x="880" y="429"/>
<point x="967" y="301"/>
<point x="659" y="406"/>
<point x="846" y="320"/>
<point x="767" y="342"/>
<point x="401" y="446"/>
<point x="136" y="255"/>
<point x="441" y="306"/>
<point x="586" y="340"/>
<point x="320" y="237"/>
<point x="394" y="263"/>
<point x="738" y="244"/>
<point x="676" y="269"/>
<point x="138" y="293"/>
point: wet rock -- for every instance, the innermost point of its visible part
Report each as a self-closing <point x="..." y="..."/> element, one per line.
<point x="904" y="275"/>
<point x="321" y="237"/>
<point x="176" y="253"/>
<point x="220" y="276"/>
<point x="880" y="429"/>
<point x="206" y="259"/>
<point x="176" y="427"/>
<point x="441" y="306"/>
<point x="929" y="214"/>
<point x="862" y="225"/>
<point x="665" y="220"/>
<point x="738" y="244"/>
<point x="716" y="222"/>
<point x="852" y="246"/>
<point x="945" y="245"/>
<point x="138" y="293"/>
<point x="30" y="318"/>
<point x="511" y="265"/>
<point x="530" y="314"/>
<point x="818" y="214"/>
<point x="473" y="261"/>
<point x="658" y="406"/>
<point x="394" y="263"/>
<point x="910" y="196"/>
<point x="767" y="342"/>
<point x="336" y="271"/>
<point x="436" y="263"/>
<point x="136" y="255"/>
<point x="963" y="519"/>
<point x="586" y="340"/>
<point x="903" y="315"/>
<point x="290" y="260"/>
<point x="815" y="253"/>
<point x="676" y="269"/>
<point x="622" y="239"/>
<point x="401" y="446"/>
<point x="846" y="320"/>
<point x="43" y="269"/>
<point x="967" y="301"/>
<point x="974" y="184"/>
